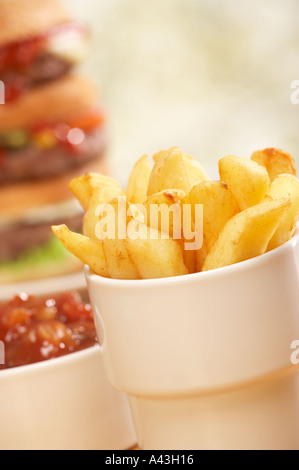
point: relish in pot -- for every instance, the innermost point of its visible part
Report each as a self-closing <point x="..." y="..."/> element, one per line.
<point x="36" y="329"/>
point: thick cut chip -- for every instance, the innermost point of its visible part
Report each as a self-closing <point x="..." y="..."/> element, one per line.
<point x="84" y="187"/>
<point x="248" y="181"/>
<point x="219" y="206"/>
<point x="247" y="234"/>
<point x="137" y="251"/>
<point x="87" y="250"/>
<point x="139" y="180"/>
<point x="165" y="212"/>
<point x="160" y="155"/>
<point x="175" y="170"/>
<point x="194" y="170"/>
<point x="156" y="257"/>
<point x="169" y="173"/>
<point x="119" y="262"/>
<point x="276" y="162"/>
<point x="100" y="196"/>
<point x="285" y="186"/>
<point x="112" y="230"/>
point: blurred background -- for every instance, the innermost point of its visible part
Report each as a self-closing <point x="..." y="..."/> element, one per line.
<point x="209" y="76"/>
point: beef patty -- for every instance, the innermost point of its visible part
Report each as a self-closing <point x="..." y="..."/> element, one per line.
<point x="18" y="239"/>
<point x="45" y="68"/>
<point x="34" y="163"/>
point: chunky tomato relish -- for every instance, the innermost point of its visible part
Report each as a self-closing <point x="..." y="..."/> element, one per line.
<point x="37" y="329"/>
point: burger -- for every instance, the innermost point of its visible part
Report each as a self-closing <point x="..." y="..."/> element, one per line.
<point x="47" y="137"/>
<point x="38" y="43"/>
<point x="50" y="130"/>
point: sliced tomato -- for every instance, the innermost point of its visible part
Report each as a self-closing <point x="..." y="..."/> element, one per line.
<point x="20" y="54"/>
<point x="16" y="86"/>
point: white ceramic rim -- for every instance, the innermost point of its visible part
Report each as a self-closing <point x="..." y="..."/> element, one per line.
<point x="215" y="273"/>
<point x="50" y="363"/>
<point x="41" y="287"/>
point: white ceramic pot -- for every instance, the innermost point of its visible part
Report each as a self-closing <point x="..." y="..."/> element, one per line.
<point x="260" y="416"/>
<point x="173" y="345"/>
<point x="65" y="403"/>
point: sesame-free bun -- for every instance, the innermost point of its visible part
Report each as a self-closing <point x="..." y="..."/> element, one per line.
<point x="54" y="102"/>
<point x="23" y="19"/>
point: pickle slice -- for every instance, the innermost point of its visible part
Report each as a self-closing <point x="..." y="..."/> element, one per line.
<point x="14" y="140"/>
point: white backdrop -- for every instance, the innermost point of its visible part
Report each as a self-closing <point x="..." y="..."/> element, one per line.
<point x="210" y="76"/>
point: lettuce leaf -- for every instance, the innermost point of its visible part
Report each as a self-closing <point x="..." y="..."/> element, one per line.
<point x="50" y="252"/>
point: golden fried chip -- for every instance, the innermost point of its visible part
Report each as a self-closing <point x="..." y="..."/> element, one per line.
<point x="247" y="234"/>
<point x="285" y="186"/>
<point x="219" y="206"/>
<point x="248" y="181"/>
<point x="88" y="251"/>
<point x="84" y="187"/>
<point x="139" y="180"/>
<point x="275" y="161"/>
